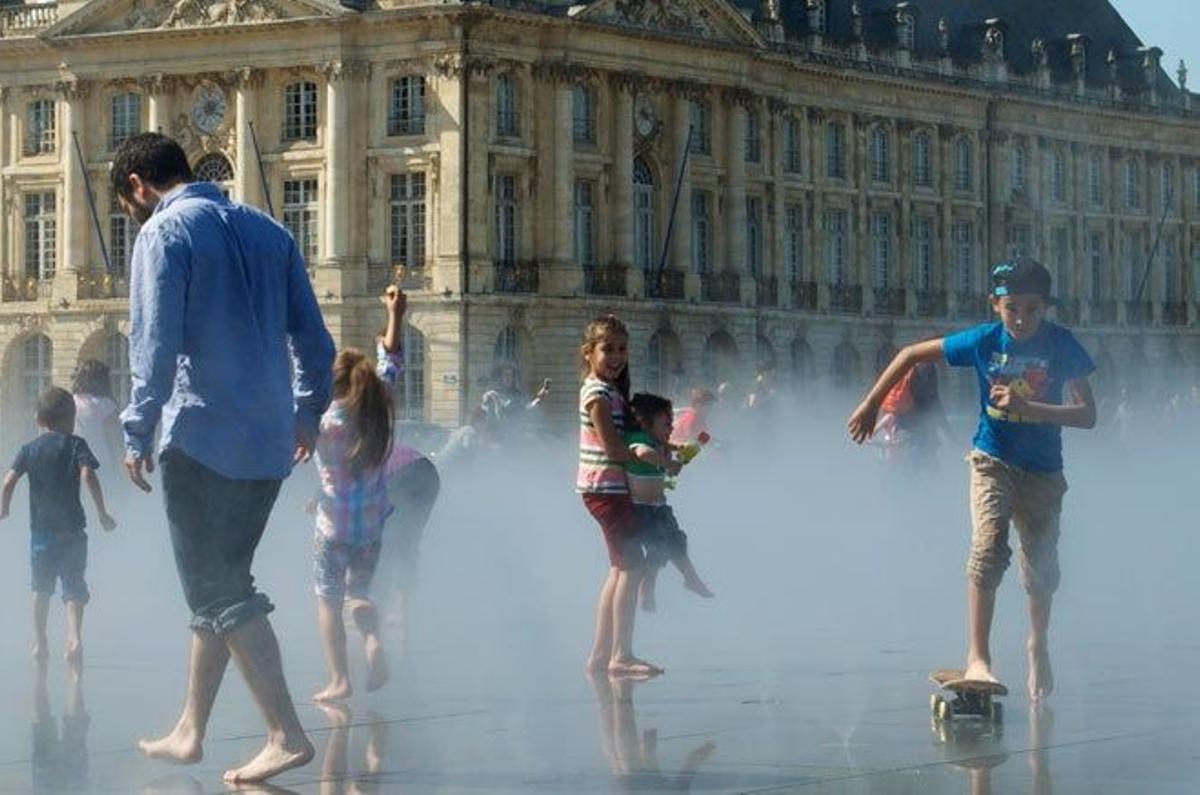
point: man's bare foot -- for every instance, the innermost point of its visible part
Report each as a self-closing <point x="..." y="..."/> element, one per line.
<point x="377" y="667"/>
<point x="336" y="690"/>
<point x="1041" y="675"/>
<point x="74" y="651"/>
<point x="979" y="671"/>
<point x="697" y="586"/>
<point x="178" y="747"/>
<point x="41" y="650"/>
<point x="272" y="760"/>
<point x="632" y="666"/>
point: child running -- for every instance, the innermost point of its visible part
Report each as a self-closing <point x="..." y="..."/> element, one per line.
<point x="603" y="403"/>
<point x="56" y="462"/>
<point x="1024" y="365"/>
<point x="650" y="463"/>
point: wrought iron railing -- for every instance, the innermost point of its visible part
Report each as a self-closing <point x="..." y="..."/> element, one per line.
<point x="1138" y="313"/>
<point x="608" y="280"/>
<point x="665" y="285"/>
<point x="721" y="287"/>
<point x="93" y="284"/>
<point x="517" y="277"/>
<point x="931" y="303"/>
<point x="20" y="288"/>
<point x="25" y="19"/>
<point x="889" y="301"/>
<point x="804" y="295"/>
<point x="846" y="298"/>
<point x="1175" y="313"/>
<point x="766" y="291"/>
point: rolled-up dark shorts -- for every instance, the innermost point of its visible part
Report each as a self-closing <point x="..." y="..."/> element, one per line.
<point x="216" y="523"/>
<point x="661" y="536"/>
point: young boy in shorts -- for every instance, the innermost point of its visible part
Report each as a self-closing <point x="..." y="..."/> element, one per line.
<point x="1033" y="380"/>
<point x="56" y="461"/>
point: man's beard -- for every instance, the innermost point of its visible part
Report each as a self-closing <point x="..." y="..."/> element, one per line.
<point x="140" y="212"/>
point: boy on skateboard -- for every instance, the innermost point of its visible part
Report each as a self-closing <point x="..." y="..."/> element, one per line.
<point x="1033" y="379"/>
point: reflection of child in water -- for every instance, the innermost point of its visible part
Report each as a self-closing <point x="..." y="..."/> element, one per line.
<point x="649" y="463"/>
<point x="60" y="761"/>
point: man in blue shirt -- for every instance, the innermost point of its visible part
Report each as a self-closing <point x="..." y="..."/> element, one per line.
<point x="1033" y="381"/>
<point x="222" y="313"/>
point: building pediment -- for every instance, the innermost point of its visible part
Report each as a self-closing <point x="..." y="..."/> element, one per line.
<point x="712" y="20"/>
<point x="119" y="16"/>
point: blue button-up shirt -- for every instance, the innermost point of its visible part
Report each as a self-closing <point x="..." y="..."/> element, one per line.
<point x="217" y="292"/>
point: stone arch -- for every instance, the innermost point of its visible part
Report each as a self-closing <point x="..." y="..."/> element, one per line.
<point x="803" y="364"/>
<point x="720" y="358"/>
<point x="664" y="363"/>
<point x="846" y="367"/>
<point x="27" y="372"/>
<point x="214" y="167"/>
<point x="111" y="347"/>
<point x="764" y="350"/>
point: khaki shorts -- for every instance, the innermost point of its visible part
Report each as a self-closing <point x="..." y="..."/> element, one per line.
<point x="1002" y="494"/>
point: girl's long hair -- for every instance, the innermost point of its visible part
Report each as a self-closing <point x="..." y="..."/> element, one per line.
<point x="368" y="403"/>
<point x="596" y="332"/>
<point x="92" y="377"/>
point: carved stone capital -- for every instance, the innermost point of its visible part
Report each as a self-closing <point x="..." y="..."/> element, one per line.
<point x="156" y="84"/>
<point x="625" y="81"/>
<point x="816" y="115"/>
<point x="345" y="71"/>
<point x="562" y="72"/>
<point x="248" y="77"/>
<point x="776" y="106"/>
<point x="72" y="90"/>
<point x="740" y="96"/>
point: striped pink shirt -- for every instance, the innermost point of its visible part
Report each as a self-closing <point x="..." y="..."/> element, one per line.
<point x="598" y="474"/>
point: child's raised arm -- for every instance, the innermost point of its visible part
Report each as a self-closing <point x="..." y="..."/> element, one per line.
<point x="602" y="421"/>
<point x="93" y="483"/>
<point x="396" y="302"/>
<point x="6" y="492"/>
<point x="862" y="421"/>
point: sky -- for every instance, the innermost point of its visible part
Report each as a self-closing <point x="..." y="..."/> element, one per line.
<point x="1171" y="25"/>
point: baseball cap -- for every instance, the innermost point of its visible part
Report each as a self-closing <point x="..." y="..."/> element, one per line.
<point x="1021" y="276"/>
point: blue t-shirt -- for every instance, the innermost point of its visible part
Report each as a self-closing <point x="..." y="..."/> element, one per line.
<point x="1038" y="369"/>
<point x="53" y="461"/>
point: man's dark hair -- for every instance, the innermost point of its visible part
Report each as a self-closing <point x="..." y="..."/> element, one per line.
<point x="56" y="410"/>
<point x="647" y="407"/>
<point x="157" y="159"/>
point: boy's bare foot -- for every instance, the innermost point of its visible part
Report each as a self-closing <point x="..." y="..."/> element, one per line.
<point x="377" y="667"/>
<point x="632" y="666"/>
<point x="178" y="747"/>
<point x="979" y="671"/>
<point x="697" y="586"/>
<point x="273" y="759"/>
<point x="41" y="650"/>
<point x="337" y="690"/>
<point x="74" y="651"/>
<point x="1041" y="675"/>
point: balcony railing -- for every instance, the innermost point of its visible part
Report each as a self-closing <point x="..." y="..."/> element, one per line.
<point x="723" y="287"/>
<point x="931" y="303"/>
<point x="973" y="307"/>
<point x="97" y="284"/>
<point x="766" y="291"/>
<point x="1138" y="313"/>
<point x="847" y="298"/>
<point x="380" y="277"/>
<point x="1067" y="311"/>
<point x="665" y="285"/>
<point x="607" y="280"/>
<point x="21" y="288"/>
<point x="517" y="277"/>
<point x="804" y="295"/>
<point x="25" y="19"/>
<point x="889" y="301"/>
<point x="1175" y="313"/>
<point x="1104" y="312"/>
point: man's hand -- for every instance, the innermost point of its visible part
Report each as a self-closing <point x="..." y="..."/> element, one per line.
<point x="395" y="300"/>
<point x="133" y="467"/>
<point x="1005" y="398"/>
<point x="107" y="522"/>
<point x="306" y="443"/>
<point x="862" y="422"/>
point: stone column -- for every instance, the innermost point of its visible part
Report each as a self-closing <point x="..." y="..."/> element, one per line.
<point x="74" y="235"/>
<point x="622" y="180"/>
<point x="735" y="184"/>
<point x="815" y="234"/>
<point x="775" y="264"/>
<point x="158" y="112"/>
<point x="247" y="180"/>
<point x="7" y="264"/>
<point x="681" y="243"/>
<point x="860" y="222"/>
<point x="336" y="244"/>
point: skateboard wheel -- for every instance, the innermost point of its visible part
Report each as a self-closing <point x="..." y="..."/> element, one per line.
<point x="945" y="711"/>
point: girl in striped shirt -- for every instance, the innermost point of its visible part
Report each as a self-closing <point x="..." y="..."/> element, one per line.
<point x="603" y="406"/>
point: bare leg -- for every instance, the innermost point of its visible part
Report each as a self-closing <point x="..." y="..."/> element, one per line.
<point x="691" y="580"/>
<point x="74" y="650"/>
<point x="41" y="612"/>
<point x="333" y="640"/>
<point x="206" y="668"/>
<point x="333" y="769"/>
<point x="257" y="654"/>
<point x="366" y="618"/>
<point x="603" y="644"/>
<point x="981" y="605"/>
<point x="1041" y="676"/>
<point x="624" y="614"/>
<point x="647" y="591"/>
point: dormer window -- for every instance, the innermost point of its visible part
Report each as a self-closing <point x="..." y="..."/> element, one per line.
<point x="816" y="16"/>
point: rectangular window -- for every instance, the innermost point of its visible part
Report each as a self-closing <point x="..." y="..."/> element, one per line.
<point x="792" y="153"/>
<point x="923" y="251"/>
<point x="39" y="127"/>
<point x="754" y="235"/>
<point x="1131" y="250"/>
<point x="753" y="138"/>
<point x="300" y="112"/>
<point x="585" y="223"/>
<point x="408" y="220"/>
<point x="1096" y="266"/>
<point x="922" y="161"/>
<point x="506" y="219"/>
<point x="835" y="151"/>
<point x="126" y="120"/>
<point x="1060" y="266"/>
<point x="1167" y="184"/>
<point x="506" y="106"/>
<point x="793" y="241"/>
<point x="837" y="245"/>
<point x="1058" y="177"/>
<point x="406" y="111"/>
<point x="701" y="120"/>
<point x="583" y="115"/>
<point x="300" y="213"/>
<point x="701" y="231"/>
<point x="1020" y="240"/>
<point x="881" y="156"/>
<point x="964" y="256"/>
<point x="1171" y="281"/>
<point x="413" y="407"/>
<point x="41" y="230"/>
<point x="1020" y="167"/>
<point x="1096" y="180"/>
<point x="881" y="248"/>
<point x="122" y="231"/>
<point x="964" y="165"/>
<point x="1133" y="185"/>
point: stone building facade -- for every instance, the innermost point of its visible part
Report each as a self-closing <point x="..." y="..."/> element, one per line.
<point x="798" y="185"/>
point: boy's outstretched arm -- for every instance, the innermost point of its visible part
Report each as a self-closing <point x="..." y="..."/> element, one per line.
<point x="93" y="484"/>
<point x="396" y="302"/>
<point x="1078" y="412"/>
<point x="862" y="421"/>
<point x="6" y="492"/>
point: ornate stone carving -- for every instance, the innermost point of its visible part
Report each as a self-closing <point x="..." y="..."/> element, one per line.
<point x="1038" y="49"/>
<point x="670" y="16"/>
<point x="993" y="40"/>
<point x="740" y="96"/>
<point x="248" y="77"/>
<point x="156" y="84"/>
<point x="72" y="89"/>
<point x="1181" y="74"/>
<point x="345" y="71"/>
<point x="200" y="13"/>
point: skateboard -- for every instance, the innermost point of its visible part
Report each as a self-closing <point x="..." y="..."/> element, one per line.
<point x="971" y="699"/>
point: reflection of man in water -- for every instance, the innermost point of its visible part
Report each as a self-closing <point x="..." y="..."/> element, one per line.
<point x="60" y="761"/>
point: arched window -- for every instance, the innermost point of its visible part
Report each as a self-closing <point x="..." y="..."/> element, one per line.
<point x="720" y="359"/>
<point x="664" y="363"/>
<point x="802" y="360"/>
<point x="964" y="164"/>
<point x="215" y="168"/>
<point x="37" y="355"/>
<point x="922" y="160"/>
<point x="881" y="155"/>
<point x="847" y="365"/>
<point x="643" y="215"/>
<point x="411" y="394"/>
<point x="506" y="106"/>
<point x="116" y="356"/>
